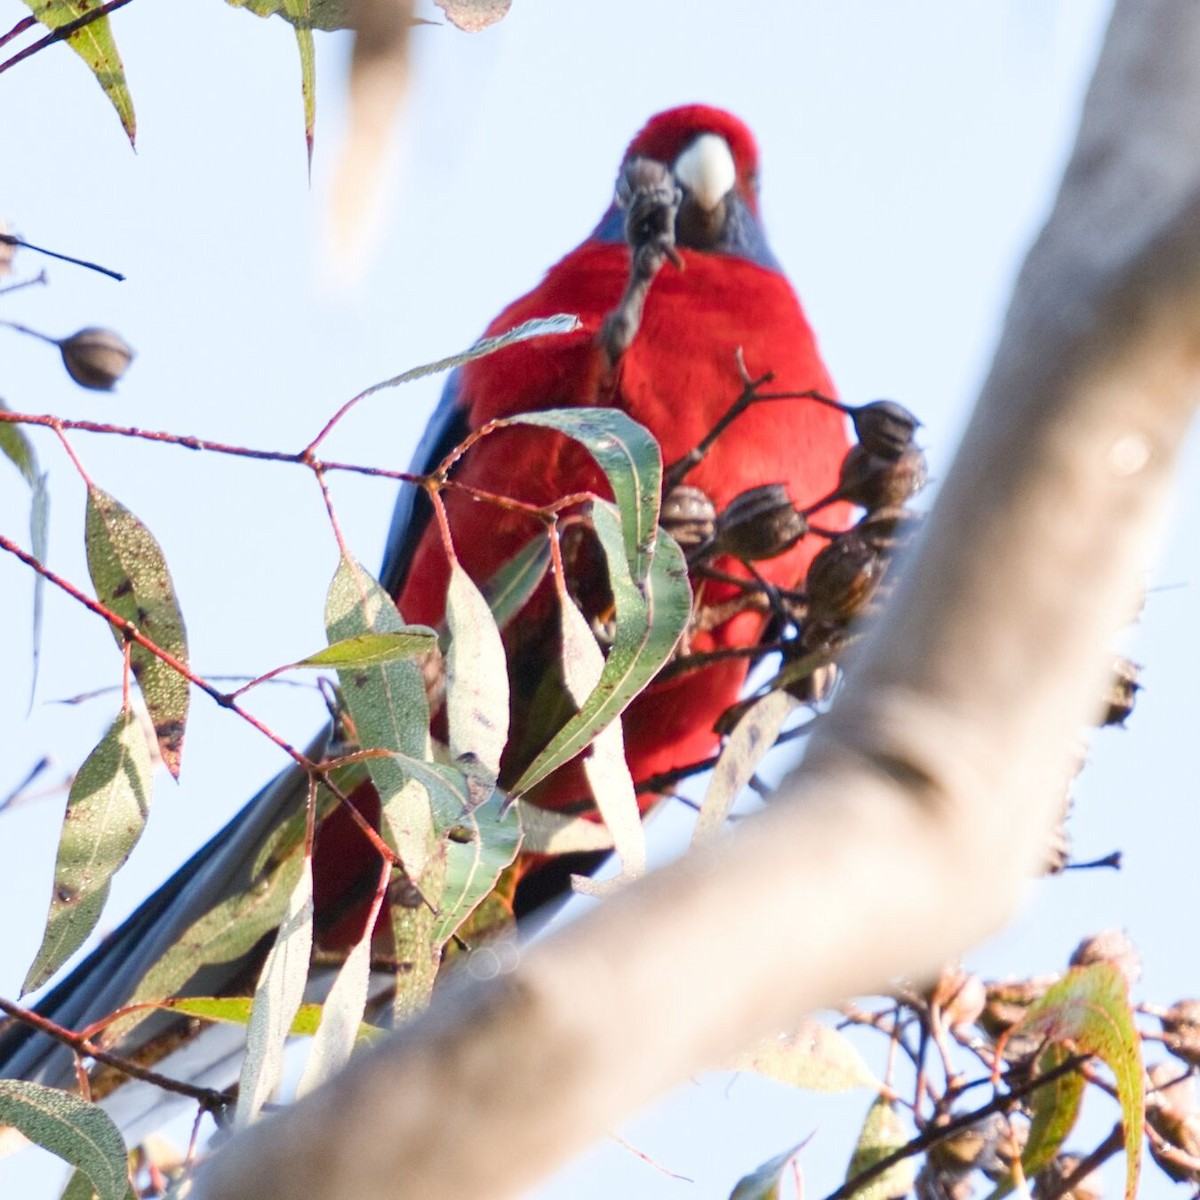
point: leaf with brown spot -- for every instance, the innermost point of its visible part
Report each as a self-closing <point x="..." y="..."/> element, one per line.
<point x="106" y="812"/>
<point x="131" y="578"/>
<point x="94" y="43"/>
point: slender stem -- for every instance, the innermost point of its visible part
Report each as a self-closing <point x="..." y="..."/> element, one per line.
<point x="208" y="1098"/>
<point x="34" y="333"/>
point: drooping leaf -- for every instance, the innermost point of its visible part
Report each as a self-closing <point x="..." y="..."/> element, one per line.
<point x="752" y="737"/>
<point x="476" y="677"/>
<point x="277" y="998"/>
<point x="94" y="43"/>
<point x="389" y="710"/>
<point x="341" y="1017"/>
<point x="765" y="1181"/>
<point x="479" y="846"/>
<point x="558" y="325"/>
<point x="1055" y="1109"/>
<point x="649" y="623"/>
<point x="106" y="812"/>
<point x="605" y="767"/>
<point x="18" y="449"/>
<point x="387" y="704"/>
<point x="1088" y="1011"/>
<point x="131" y="578"/>
<point x="76" y="1130"/>
<point x="374" y="649"/>
<point x="513" y="585"/>
<point x="631" y="461"/>
<point x="883" y="1133"/>
<point x="814" y="1056"/>
<point x="473" y="15"/>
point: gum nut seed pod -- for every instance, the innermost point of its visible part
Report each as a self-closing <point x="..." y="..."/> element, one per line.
<point x="960" y="995"/>
<point x="885" y="427"/>
<point x="1009" y="999"/>
<point x="1173" y="1112"/>
<point x="95" y="358"/>
<point x="933" y="1184"/>
<point x="688" y="515"/>
<point x="1111" y="946"/>
<point x="760" y="523"/>
<point x="888" y="528"/>
<point x="1049" y="1181"/>
<point x="1181" y="1030"/>
<point x="842" y="578"/>
<point x="873" y="481"/>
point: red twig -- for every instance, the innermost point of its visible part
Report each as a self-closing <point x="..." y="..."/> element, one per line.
<point x="131" y="632"/>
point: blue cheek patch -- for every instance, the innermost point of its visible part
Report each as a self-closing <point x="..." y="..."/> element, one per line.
<point x="744" y="236"/>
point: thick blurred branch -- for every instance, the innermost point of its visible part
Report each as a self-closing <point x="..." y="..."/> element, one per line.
<point x="926" y="797"/>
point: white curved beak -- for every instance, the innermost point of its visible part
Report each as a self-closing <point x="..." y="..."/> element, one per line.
<point x="706" y="168"/>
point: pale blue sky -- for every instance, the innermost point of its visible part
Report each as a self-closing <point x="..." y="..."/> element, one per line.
<point x="910" y="152"/>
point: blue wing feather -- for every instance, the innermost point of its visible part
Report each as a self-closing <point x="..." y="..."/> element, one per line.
<point x="413" y="512"/>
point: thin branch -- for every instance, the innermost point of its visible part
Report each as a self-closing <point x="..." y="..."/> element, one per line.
<point x="208" y="1098"/>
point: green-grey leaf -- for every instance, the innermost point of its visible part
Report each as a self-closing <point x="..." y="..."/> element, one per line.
<point x="883" y="1133"/>
<point x="131" y="578"/>
<point x="764" y="1182"/>
<point x="814" y="1056"/>
<point x="390" y="712"/>
<point x="94" y="43"/>
<point x="476" y="676"/>
<point x="478" y="848"/>
<point x="79" y="1187"/>
<point x="605" y="768"/>
<point x="74" y="1129"/>
<point x="556" y="325"/>
<point x="374" y="649"/>
<point x="744" y="749"/>
<point x="341" y="1017"/>
<point x="106" y="812"/>
<point x="388" y="706"/>
<point x="277" y="998"/>
<point x="630" y="459"/>
<point x="18" y="449"/>
<point x="649" y="623"/>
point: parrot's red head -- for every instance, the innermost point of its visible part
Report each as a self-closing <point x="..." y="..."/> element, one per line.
<point x="713" y="159"/>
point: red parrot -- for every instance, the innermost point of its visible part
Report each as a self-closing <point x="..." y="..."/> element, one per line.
<point x="718" y="300"/>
